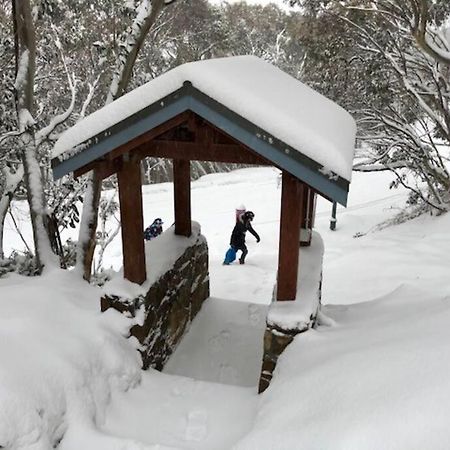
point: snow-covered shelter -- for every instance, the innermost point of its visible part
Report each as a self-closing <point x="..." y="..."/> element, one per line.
<point x="237" y="110"/>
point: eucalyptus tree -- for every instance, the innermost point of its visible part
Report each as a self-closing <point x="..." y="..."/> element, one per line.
<point x="408" y="130"/>
<point x="71" y="57"/>
<point x="129" y="43"/>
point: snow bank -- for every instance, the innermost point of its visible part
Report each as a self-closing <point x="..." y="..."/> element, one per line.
<point x="160" y="255"/>
<point x="252" y="88"/>
<point x="61" y="359"/>
<point x="375" y="376"/>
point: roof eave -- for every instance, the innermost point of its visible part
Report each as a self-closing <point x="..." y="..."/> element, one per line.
<point x="187" y="98"/>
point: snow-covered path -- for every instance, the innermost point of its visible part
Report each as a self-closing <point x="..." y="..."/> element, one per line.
<point x="223" y="345"/>
<point x="206" y="398"/>
<point x="181" y="412"/>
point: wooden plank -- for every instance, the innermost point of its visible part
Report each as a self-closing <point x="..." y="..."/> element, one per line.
<point x="130" y="198"/>
<point x="182" y="196"/>
<point x="312" y="208"/>
<point x="227" y="153"/>
<point x="208" y="146"/>
<point x="290" y="221"/>
<point x="104" y="168"/>
<point x="305" y="209"/>
<point x="149" y="135"/>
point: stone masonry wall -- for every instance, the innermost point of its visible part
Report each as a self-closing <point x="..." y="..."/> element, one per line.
<point x="169" y="305"/>
<point x="277" y="338"/>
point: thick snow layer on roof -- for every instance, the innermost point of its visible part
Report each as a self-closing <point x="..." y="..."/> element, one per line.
<point x="258" y="91"/>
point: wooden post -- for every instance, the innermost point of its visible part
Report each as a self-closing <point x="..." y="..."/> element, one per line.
<point x="130" y="198"/>
<point x="290" y="222"/>
<point x="306" y="206"/>
<point x="312" y="209"/>
<point x="182" y="196"/>
<point x="308" y="215"/>
<point x="333" y="217"/>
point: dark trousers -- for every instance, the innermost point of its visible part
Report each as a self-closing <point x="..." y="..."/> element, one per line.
<point x="243" y="249"/>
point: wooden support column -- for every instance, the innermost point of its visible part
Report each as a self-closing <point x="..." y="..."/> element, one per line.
<point x="292" y="199"/>
<point x="130" y="198"/>
<point x="182" y="196"/>
<point x="312" y="208"/>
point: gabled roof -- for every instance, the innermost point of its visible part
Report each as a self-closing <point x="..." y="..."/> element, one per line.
<point x="257" y="104"/>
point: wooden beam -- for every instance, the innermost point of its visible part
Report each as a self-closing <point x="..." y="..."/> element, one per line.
<point x="182" y="196"/>
<point x="292" y="199"/>
<point x="103" y="167"/>
<point x="149" y="135"/>
<point x="214" y="152"/>
<point x="130" y="198"/>
<point x="227" y="153"/>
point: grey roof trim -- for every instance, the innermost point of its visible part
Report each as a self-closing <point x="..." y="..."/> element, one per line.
<point x="121" y="133"/>
<point x="190" y="98"/>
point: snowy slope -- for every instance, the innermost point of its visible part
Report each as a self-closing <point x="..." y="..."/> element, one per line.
<point x="374" y="376"/>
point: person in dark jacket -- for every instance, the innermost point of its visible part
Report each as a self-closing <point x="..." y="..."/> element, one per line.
<point x="153" y="230"/>
<point x="237" y="241"/>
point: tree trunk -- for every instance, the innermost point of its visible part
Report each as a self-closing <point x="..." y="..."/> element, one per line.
<point x="88" y="226"/>
<point x="129" y="50"/>
<point x="25" y="50"/>
<point x="12" y="182"/>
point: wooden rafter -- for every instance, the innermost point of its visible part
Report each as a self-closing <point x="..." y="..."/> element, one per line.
<point x="207" y="143"/>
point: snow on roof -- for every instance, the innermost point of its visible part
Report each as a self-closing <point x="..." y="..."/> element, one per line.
<point x="253" y="89"/>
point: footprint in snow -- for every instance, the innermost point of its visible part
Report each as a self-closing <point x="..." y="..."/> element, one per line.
<point x="197" y="425"/>
<point x="254" y="315"/>
<point x="227" y="374"/>
<point x="217" y="342"/>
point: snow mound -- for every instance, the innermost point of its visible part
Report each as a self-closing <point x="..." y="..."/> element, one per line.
<point x="61" y="358"/>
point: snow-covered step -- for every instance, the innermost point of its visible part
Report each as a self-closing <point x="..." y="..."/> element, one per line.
<point x="224" y="344"/>
<point x="180" y="412"/>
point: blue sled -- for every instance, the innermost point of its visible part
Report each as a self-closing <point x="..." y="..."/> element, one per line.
<point x="230" y="256"/>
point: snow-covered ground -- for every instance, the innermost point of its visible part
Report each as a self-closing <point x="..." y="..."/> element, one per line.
<point x="373" y="376"/>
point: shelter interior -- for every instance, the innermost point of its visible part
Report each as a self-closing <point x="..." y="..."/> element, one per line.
<point x="184" y="138"/>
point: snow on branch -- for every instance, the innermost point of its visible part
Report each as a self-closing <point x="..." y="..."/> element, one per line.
<point x="9" y="135"/>
<point x="132" y="41"/>
<point x="90" y="96"/>
<point x="45" y="132"/>
<point x="368" y="166"/>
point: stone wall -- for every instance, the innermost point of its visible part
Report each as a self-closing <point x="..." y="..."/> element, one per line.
<point x="169" y="305"/>
<point x="276" y="340"/>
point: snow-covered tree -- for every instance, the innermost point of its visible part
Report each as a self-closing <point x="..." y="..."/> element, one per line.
<point x="407" y="126"/>
<point x="129" y="45"/>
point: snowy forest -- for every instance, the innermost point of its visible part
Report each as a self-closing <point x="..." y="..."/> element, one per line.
<point x="386" y="61"/>
<point x="136" y="312"/>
